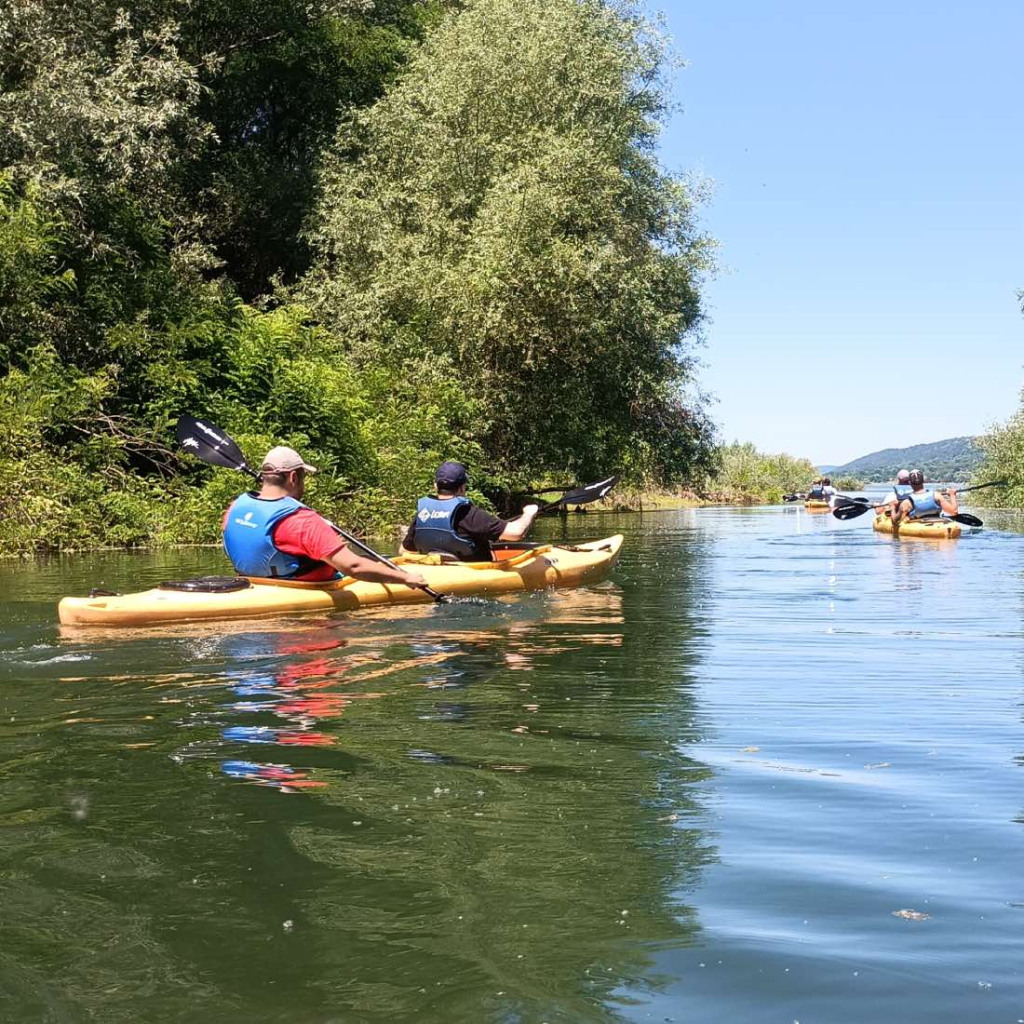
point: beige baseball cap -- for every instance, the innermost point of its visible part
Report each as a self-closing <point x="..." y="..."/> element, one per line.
<point x="284" y="460"/>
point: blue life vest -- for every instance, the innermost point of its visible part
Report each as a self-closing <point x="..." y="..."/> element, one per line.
<point x="435" y="531"/>
<point x="816" y="493"/>
<point x="902" y="491"/>
<point x="925" y="506"/>
<point x="249" y="538"/>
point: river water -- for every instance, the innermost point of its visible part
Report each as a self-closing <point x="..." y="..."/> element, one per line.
<point x="771" y="771"/>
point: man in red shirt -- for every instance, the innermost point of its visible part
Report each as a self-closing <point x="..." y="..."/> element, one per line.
<point x="273" y="534"/>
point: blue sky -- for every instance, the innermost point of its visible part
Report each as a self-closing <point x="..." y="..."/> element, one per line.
<point x="868" y="164"/>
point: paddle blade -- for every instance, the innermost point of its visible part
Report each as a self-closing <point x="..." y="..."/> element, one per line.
<point x="211" y="445"/>
<point x="851" y="511"/>
<point x="967" y="519"/>
<point x="585" y="495"/>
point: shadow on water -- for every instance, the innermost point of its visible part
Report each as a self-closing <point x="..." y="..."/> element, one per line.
<point x="479" y="812"/>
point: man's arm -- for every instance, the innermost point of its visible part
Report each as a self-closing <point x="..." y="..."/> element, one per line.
<point x="408" y="545"/>
<point x="948" y="501"/>
<point x="308" y="533"/>
<point x="373" y="572"/>
<point x="516" y="529"/>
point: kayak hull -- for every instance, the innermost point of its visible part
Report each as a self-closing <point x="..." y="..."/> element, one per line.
<point x="933" y="529"/>
<point x="547" y="566"/>
<point x="817" y="506"/>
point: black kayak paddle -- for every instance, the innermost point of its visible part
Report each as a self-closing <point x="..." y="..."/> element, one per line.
<point x="583" y="495"/>
<point x="213" y="446"/>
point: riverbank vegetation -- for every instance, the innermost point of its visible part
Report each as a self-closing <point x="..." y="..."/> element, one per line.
<point x="384" y="234"/>
<point x="848" y="483"/>
<point x="1003" y="448"/>
<point x="747" y="476"/>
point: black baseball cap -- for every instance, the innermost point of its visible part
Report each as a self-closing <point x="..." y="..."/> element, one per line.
<point x="451" y="475"/>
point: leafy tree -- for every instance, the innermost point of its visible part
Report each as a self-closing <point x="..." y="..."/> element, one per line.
<point x="1003" y="448"/>
<point x="507" y="278"/>
<point x="506" y="214"/>
<point x="286" y="72"/>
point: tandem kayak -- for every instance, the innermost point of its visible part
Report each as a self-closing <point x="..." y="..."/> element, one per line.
<point x="817" y="506"/>
<point x="935" y="529"/>
<point x="549" y="565"/>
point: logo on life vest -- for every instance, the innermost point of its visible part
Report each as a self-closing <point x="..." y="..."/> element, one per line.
<point x="424" y="514"/>
<point x="246" y="521"/>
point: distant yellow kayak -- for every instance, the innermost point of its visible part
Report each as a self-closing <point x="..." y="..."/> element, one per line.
<point x="934" y="529"/>
<point x="551" y="565"/>
<point x="817" y="506"/>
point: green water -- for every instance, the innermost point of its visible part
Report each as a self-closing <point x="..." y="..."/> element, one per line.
<point x="698" y="792"/>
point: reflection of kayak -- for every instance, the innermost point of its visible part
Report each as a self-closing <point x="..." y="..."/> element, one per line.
<point x="816" y="506"/>
<point x="550" y="565"/>
<point x="936" y="529"/>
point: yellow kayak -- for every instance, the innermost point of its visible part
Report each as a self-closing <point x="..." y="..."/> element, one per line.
<point x="551" y="565"/>
<point x="935" y="529"/>
<point x="817" y="506"/>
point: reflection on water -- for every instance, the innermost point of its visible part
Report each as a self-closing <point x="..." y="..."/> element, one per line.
<point x="769" y="772"/>
<point x="486" y="814"/>
<point x="288" y="685"/>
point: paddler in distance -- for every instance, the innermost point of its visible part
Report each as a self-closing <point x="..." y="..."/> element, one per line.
<point x="451" y="524"/>
<point x="272" y="534"/>
<point x="900" y="490"/>
<point x="926" y="504"/>
<point x="817" y="491"/>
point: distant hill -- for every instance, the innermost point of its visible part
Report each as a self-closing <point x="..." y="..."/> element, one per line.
<point x="956" y="458"/>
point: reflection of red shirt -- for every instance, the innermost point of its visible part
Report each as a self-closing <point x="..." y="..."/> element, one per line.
<point x="307" y="533"/>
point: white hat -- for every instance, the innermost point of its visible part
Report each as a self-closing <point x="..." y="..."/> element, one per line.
<point x="284" y="460"/>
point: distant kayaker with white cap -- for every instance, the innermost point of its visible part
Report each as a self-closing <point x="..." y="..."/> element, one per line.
<point x="900" y="490"/>
<point x="272" y="534"/>
<point x="450" y="523"/>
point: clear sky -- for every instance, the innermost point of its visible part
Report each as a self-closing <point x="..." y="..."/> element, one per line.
<point x="868" y="162"/>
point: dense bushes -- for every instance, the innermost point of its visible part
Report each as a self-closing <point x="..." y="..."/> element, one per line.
<point x="745" y="473"/>
<point x="498" y="270"/>
<point x="1003" y="448"/>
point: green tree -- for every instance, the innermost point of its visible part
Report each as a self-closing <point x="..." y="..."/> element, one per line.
<point x="286" y="72"/>
<point x="505" y="214"/>
<point x="1003" y="448"/>
<point x="745" y="474"/>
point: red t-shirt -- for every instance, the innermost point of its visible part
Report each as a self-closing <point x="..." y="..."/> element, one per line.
<point x="307" y="533"/>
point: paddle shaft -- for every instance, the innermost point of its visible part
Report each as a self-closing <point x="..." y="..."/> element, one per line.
<point x="979" y="487"/>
